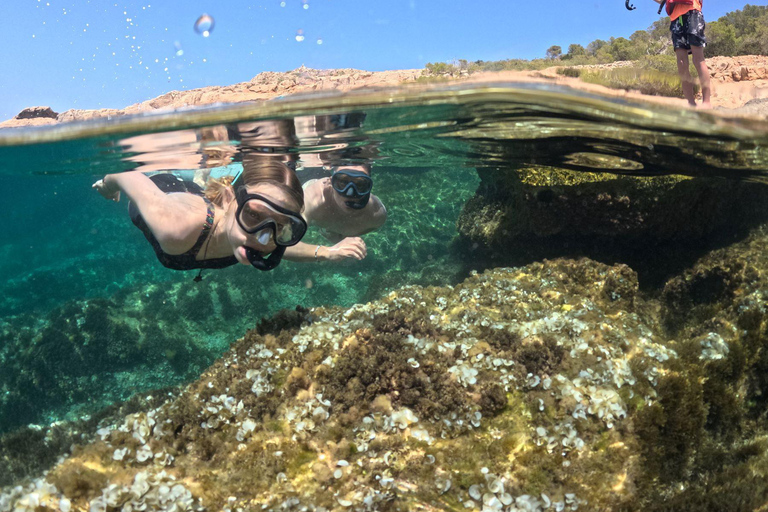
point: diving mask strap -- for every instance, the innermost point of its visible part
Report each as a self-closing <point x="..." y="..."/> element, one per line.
<point x="262" y="263"/>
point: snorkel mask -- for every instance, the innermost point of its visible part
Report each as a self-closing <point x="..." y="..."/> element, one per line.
<point x="258" y="215"/>
<point x="353" y="185"/>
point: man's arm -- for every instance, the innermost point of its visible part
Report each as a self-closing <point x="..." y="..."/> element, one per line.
<point x="303" y="253"/>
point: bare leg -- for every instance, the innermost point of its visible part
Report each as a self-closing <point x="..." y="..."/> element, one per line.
<point x="685" y="75"/>
<point x="701" y="68"/>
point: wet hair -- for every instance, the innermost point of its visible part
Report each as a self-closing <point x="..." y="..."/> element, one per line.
<point x="255" y="172"/>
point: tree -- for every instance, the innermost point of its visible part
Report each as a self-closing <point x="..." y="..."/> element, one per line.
<point x="659" y="28"/>
<point x="576" y="50"/>
<point x="746" y="21"/>
<point x="721" y="39"/>
<point x="623" y="49"/>
<point x="595" y="45"/>
<point x="554" y="52"/>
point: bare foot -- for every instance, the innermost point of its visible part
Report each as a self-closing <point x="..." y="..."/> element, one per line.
<point x="706" y="105"/>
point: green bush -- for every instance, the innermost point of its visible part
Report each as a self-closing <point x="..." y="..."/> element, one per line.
<point x="440" y="68"/>
<point x="645" y="80"/>
<point x="572" y="72"/>
<point x="665" y="63"/>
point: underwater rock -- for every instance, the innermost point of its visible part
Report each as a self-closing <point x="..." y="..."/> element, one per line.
<point x="33" y="449"/>
<point x="535" y="212"/>
<point x="96" y="347"/>
<point x="552" y="386"/>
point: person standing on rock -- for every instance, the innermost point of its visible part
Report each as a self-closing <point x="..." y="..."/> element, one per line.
<point x="687" y="28"/>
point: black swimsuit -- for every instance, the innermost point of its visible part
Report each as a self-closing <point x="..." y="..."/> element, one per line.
<point x="169" y="183"/>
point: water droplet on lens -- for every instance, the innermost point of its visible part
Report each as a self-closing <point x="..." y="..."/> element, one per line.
<point x="299" y="35"/>
<point x="204" y="25"/>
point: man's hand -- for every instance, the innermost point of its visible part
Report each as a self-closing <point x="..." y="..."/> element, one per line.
<point x="106" y="190"/>
<point x="352" y="247"/>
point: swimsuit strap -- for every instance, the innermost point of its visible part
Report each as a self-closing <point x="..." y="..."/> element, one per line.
<point x="206" y="228"/>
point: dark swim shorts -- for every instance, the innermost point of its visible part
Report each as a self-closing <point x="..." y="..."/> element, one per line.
<point x="688" y="30"/>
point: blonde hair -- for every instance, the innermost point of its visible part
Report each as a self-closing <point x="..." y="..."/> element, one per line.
<point x="256" y="171"/>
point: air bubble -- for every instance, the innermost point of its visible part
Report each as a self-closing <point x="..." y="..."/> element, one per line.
<point x="299" y="35"/>
<point x="319" y="41"/>
<point x="179" y="50"/>
<point x="306" y="4"/>
<point x="204" y="25"/>
<point x="282" y="4"/>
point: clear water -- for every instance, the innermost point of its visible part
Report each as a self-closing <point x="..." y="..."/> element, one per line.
<point x="78" y="274"/>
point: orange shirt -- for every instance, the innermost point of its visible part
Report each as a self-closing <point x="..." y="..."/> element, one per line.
<point x="680" y="9"/>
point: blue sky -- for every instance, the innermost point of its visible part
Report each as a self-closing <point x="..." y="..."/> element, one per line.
<point x="110" y="54"/>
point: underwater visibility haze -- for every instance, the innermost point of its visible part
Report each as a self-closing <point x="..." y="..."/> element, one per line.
<point x="564" y="310"/>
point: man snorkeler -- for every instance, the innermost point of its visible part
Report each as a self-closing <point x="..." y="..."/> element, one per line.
<point x="344" y="209"/>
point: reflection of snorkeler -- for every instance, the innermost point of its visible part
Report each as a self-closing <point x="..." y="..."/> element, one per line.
<point x="199" y="149"/>
<point x="225" y="224"/>
<point x="344" y="208"/>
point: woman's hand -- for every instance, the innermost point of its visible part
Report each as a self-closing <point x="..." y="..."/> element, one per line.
<point x="107" y="189"/>
<point x="352" y="247"/>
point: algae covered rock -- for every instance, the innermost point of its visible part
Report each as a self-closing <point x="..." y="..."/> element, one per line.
<point x="520" y="211"/>
<point x="93" y="348"/>
<point x="548" y="387"/>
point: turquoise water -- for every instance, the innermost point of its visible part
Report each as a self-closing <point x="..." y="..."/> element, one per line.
<point x="90" y="318"/>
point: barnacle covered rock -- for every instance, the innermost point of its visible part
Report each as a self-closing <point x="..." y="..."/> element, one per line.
<point x="554" y="386"/>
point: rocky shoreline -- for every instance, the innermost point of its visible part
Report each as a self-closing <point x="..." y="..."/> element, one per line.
<point x="263" y="86"/>
<point x="737" y="81"/>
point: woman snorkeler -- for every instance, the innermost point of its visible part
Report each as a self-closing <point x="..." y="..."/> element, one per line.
<point x="225" y="224"/>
